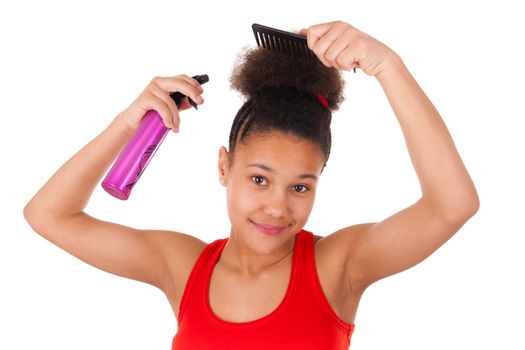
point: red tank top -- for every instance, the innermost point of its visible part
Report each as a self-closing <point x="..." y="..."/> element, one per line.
<point x="303" y="320"/>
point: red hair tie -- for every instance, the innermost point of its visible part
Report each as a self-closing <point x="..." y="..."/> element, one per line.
<point x="322" y="99"/>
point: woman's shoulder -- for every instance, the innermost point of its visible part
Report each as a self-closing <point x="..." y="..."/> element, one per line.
<point x="181" y="251"/>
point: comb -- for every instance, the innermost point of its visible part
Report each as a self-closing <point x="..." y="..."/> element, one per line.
<point x="281" y="41"/>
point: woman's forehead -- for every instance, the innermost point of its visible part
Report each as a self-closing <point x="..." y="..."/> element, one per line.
<point x="278" y="151"/>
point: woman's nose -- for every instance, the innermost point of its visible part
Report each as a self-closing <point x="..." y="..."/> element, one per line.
<point x="275" y="204"/>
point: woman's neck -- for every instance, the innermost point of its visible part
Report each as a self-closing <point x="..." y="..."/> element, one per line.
<point x="237" y="256"/>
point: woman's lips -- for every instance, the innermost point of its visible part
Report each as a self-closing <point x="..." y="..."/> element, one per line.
<point x="269" y="229"/>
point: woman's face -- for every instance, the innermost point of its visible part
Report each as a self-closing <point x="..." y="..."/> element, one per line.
<point x="271" y="188"/>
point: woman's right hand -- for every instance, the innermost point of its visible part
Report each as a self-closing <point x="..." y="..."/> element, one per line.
<point x="156" y="96"/>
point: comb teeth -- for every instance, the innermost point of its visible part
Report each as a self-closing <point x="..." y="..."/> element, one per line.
<point x="281" y="41"/>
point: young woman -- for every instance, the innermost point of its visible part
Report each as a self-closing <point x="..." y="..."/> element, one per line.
<point x="271" y="284"/>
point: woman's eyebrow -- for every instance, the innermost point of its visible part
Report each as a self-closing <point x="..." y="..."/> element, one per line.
<point x="267" y="168"/>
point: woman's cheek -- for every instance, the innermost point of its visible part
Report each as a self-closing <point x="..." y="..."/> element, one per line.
<point x="241" y="196"/>
<point x="303" y="207"/>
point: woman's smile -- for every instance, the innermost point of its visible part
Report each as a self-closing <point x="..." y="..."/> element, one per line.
<point x="268" y="229"/>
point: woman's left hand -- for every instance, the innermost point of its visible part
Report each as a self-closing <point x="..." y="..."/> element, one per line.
<point x="340" y="45"/>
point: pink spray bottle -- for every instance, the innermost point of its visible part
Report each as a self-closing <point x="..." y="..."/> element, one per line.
<point x="139" y="150"/>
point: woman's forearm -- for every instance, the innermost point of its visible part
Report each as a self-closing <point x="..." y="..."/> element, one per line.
<point x="443" y="177"/>
<point x="68" y="191"/>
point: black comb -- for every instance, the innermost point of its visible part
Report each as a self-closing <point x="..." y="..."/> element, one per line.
<point x="281" y="41"/>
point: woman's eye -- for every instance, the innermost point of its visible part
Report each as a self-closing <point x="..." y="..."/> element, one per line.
<point x="300" y="188"/>
<point x="259" y="180"/>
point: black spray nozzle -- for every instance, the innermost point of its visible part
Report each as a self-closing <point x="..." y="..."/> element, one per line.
<point x="178" y="96"/>
<point x="202" y="78"/>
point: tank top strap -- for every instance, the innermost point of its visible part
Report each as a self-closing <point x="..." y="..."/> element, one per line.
<point x="306" y="259"/>
<point x="299" y="255"/>
<point x="203" y="265"/>
<point x="310" y="281"/>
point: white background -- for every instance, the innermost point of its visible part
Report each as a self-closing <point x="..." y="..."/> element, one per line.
<point x="67" y="68"/>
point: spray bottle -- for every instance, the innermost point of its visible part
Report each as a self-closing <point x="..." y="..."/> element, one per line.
<point x="140" y="149"/>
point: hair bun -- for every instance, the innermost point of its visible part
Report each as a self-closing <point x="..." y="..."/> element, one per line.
<point x="258" y="68"/>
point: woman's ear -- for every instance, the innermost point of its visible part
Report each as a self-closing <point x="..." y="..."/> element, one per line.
<point x="224" y="165"/>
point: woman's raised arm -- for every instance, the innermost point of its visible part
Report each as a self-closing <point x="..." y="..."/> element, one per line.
<point x="56" y="211"/>
<point x="375" y="250"/>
